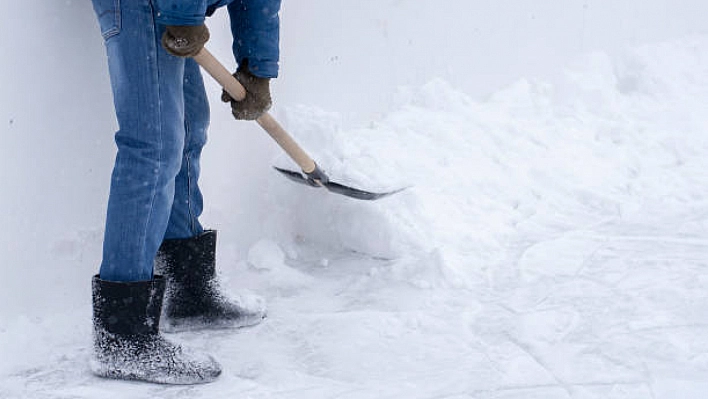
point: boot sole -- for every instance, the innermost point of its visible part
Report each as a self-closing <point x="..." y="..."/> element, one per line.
<point x="103" y="371"/>
<point x="199" y="324"/>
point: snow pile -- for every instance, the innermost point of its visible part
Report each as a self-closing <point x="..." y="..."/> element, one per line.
<point x="604" y="141"/>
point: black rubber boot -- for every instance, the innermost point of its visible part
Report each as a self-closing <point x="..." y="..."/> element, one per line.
<point x="193" y="300"/>
<point x="127" y="341"/>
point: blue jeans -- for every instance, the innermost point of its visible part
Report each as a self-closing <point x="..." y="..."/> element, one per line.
<point x="163" y="115"/>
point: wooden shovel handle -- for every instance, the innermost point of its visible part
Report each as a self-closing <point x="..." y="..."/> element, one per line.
<point x="267" y="122"/>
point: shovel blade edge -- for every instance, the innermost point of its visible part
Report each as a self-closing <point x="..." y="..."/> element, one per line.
<point x="336" y="188"/>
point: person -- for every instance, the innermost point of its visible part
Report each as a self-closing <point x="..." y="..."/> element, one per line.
<point x="154" y="247"/>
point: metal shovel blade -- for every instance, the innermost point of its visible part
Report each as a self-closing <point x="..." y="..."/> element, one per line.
<point x="335" y="187"/>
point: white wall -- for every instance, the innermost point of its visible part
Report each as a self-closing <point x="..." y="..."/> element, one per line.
<point x="358" y="52"/>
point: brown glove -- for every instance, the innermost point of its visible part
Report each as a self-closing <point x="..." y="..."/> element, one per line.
<point x="257" y="100"/>
<point x="185" y="41"/>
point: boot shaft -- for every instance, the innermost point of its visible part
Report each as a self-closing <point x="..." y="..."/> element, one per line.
<point x="128" y="308"/>
<point x="189" y="267"/>
<point x="189" y="261"/>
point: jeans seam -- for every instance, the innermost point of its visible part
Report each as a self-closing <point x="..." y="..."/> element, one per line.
<point x="160" y="138"/>
<point x="187" y="158"/>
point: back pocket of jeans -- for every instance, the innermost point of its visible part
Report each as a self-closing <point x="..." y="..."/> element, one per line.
<point x="108" y="13"/>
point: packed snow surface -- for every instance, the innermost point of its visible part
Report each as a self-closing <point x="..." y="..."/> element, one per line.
<point x="551" y="242"/>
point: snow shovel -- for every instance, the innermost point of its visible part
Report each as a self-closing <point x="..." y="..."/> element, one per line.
<point x="311" y="174"/>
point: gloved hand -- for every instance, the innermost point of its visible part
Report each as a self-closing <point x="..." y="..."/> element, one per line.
<point x="185" y="41"/>
<point x="257" y="100"/>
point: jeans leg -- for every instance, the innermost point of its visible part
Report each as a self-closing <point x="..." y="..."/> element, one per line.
<point x="147" y="88"/>
<point x="188" y="200"/>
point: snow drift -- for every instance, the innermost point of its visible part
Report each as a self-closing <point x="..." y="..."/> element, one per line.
<point x="604" y="141"/>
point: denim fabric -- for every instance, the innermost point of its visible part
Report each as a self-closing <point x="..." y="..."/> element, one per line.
<point x="255" y="25"/>
<point x="163" y="114"/>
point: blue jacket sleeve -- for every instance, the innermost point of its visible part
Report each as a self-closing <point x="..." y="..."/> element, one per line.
<point x="255" y="25"/>
<point x="181" y="12"/>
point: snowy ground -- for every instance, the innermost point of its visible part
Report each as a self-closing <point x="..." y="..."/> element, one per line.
<point x="552" y="243"/>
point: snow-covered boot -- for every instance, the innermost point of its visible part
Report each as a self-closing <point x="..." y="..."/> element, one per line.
<point x="127" y="341"/>
<point x="193" y="300"/>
